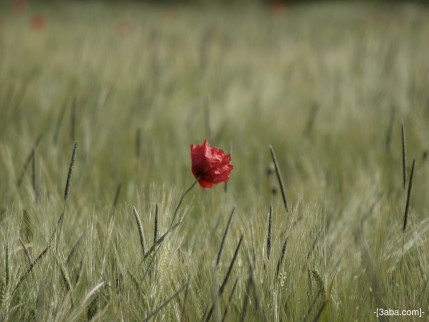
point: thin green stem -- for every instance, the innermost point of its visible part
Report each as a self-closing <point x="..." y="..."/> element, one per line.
<point x="172" y="225"/>
<point x="181" y="200"/>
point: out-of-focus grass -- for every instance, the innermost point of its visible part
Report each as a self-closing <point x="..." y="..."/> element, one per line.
<point x="319" y="83"/>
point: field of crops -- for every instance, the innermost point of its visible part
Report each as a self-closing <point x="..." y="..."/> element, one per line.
<point x="324" y="109"/>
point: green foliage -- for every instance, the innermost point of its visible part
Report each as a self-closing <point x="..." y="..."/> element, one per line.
<point x="327" y="86"/>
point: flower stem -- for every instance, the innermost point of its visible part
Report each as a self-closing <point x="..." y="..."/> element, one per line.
<point x="172" y="225"/>
<point x="181" y="200"/>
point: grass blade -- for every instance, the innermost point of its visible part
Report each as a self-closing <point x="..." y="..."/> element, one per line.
<point x="313" y="246"/>
<point x="390" y="130"/>
<point x="311" y="118"/>
<point x="59" y="123"/>
<point x="30" y="268"/>
<point x="224" y="236"/>
<point x="73" y="121"/>
<point x="26" y="226"/>
<point x="155" y="227"/>
<point x="407" y="203"/>
<point x="28" y="160"/>
<point x="27" y="253"/>
<point x="160" y="240"/>
<point x="231" y="265"/>
<point x="156" y="311"/>
<point x="91" y="293"/>
<point x="279" y="178"/>
<point x="246" y="301"/>
<point x="141" y="231"/>
<point x="229" y="299"/>
<point x="6" y="264"/>
<point x="321" y="309"/>
<point x="33" y="174"/>
<point x="270" y="231"/>
<point x="372" y="274"/>
<point x="73" y="250"/>
<point x="117" y="194"/>
<point x="282" y="255"/>
<point x="404" y="157"/>
<point x="225" y="280"/>
<point x="69" y="174"/>
<point x="185" y="300"/>
<point x="138" y="143"/>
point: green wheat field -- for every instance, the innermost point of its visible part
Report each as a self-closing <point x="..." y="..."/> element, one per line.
<point x="340" y="93"/>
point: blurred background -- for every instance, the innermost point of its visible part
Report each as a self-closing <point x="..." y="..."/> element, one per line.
<point x="326" y="84"/>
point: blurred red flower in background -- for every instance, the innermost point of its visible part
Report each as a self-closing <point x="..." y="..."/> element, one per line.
<point x="276" y="8"/>
<point x="210" y="165"/>
<point x="169" y="14"/>
<point x="38" y="22"/>
<point x="18" y="7"/>
<point x="124" y="28"/>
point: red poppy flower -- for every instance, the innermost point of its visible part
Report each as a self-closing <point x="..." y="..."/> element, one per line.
<point x="210" y="165"/>
<point x="38" y="22"/>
